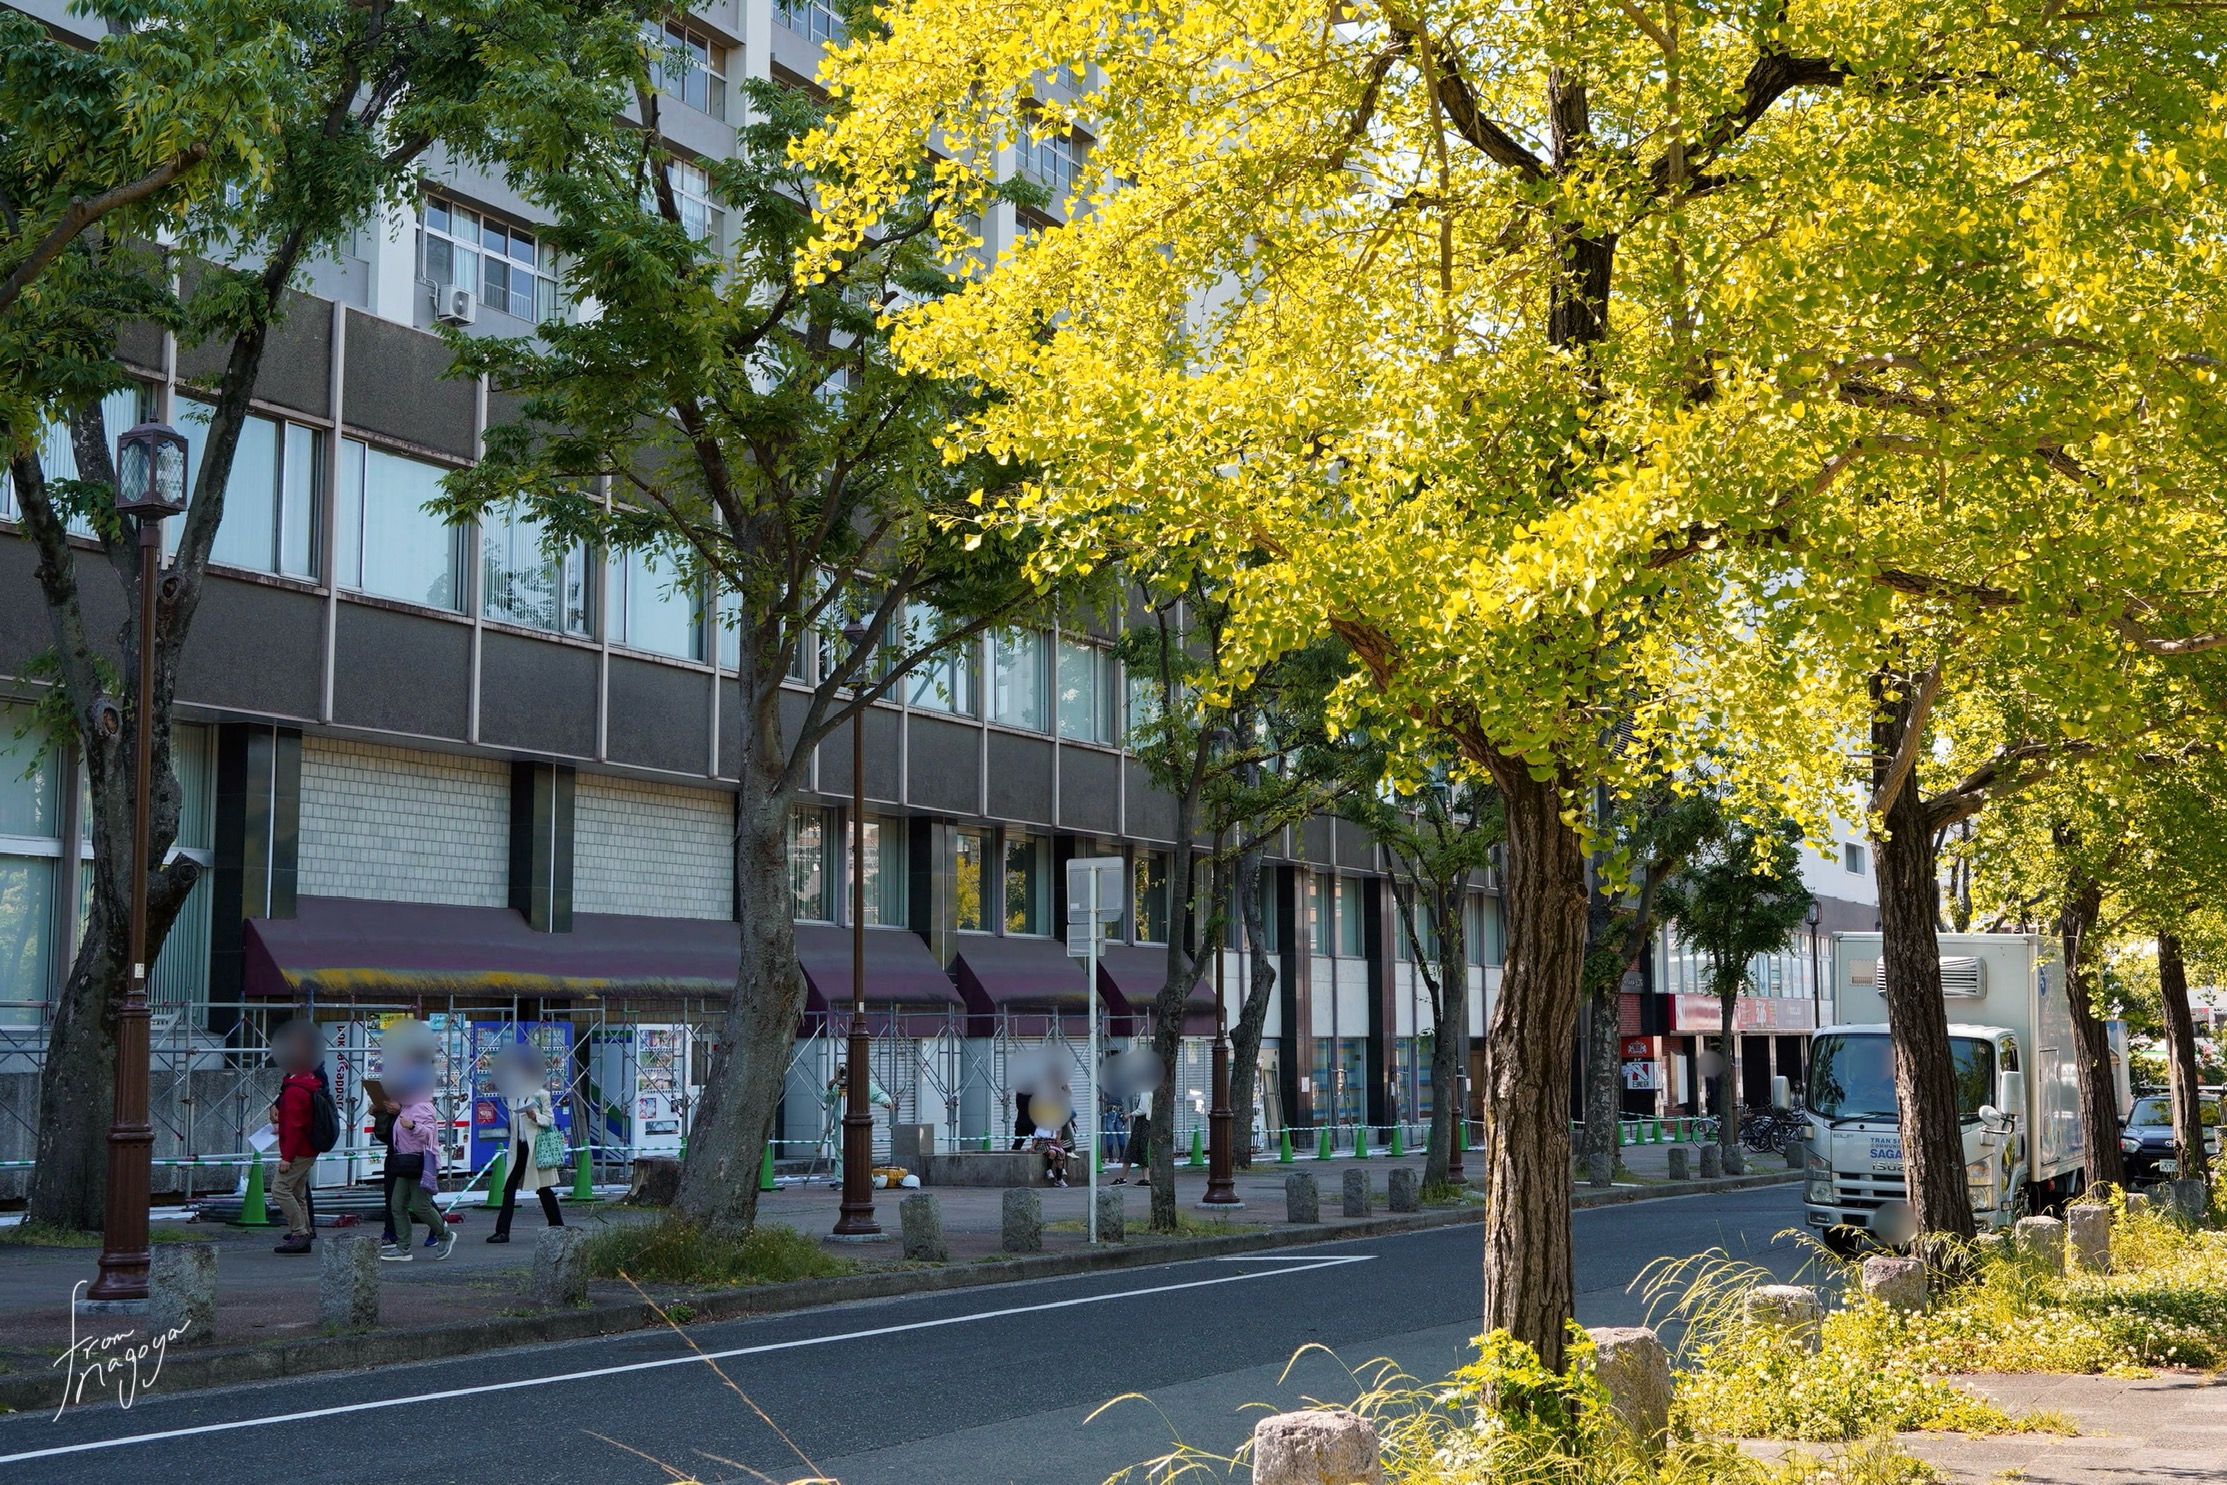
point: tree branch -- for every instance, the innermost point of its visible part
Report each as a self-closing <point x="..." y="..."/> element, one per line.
<point x="1913" y="732"/>
<point x="83" y="212"/>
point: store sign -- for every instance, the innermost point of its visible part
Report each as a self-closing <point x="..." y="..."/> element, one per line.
<point x="1641" y="1077"/>
<point x="1638" y="1047"/>
<point x="1750" y="1013"/>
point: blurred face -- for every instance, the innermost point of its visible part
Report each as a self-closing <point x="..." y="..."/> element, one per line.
<point x="519" y="1071"/>
<point x="297" y="1046"/>
<point x="406" y="1060"/>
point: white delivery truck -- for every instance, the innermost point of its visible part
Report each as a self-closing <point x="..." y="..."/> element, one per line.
<point x="2017" y="1088"/>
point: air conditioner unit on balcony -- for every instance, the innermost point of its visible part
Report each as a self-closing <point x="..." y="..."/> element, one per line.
<point x="453" y="306"/>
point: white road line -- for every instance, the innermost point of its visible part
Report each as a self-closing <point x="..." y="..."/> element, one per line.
<point x="1332" y="1260"/>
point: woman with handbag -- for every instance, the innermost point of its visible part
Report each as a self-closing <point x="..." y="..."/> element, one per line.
<point x="414" y="1164"/>
<point x="536" y="1159"/>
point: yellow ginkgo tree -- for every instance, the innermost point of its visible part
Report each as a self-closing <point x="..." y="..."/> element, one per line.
<point x="1591" y="369"/>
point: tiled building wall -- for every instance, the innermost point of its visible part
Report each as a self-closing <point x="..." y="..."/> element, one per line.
<point x="651" y="849"/>
<point x="402" y="825"/>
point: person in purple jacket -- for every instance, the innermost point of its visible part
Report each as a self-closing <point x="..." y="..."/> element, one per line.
<point x="417" y="1168"/>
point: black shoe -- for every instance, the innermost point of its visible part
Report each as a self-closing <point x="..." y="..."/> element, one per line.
<point x="294" y="1243"/>
<point x="498" y="1237"/>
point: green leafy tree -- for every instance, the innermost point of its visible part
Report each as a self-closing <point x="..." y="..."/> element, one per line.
<point x="1740" y="896"/>
<point x="347" y="98"/>
<point x="751" y="427"/>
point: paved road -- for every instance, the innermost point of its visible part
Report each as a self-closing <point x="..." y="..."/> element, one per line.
<point x="969" y="1388"/>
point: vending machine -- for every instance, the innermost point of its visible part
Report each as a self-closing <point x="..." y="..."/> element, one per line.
<point x="490" y="1112"/>
<point x="638" y="1089"/>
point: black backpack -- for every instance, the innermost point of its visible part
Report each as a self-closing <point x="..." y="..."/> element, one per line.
<point x="324" y="1119"/>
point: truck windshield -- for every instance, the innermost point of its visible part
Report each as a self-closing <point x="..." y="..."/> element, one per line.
<point x="1852" y="1077"/>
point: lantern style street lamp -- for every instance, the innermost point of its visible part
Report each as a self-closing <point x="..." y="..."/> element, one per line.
<point x="150" y="484"/>
<point x="856" y="1219"/>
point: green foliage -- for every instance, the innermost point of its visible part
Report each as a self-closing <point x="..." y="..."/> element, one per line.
<point x="1741" y="895"/>
<point x="672" y="1250"/>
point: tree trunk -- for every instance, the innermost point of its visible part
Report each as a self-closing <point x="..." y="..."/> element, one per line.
<point x="1917" y="1017"/>
<point x="1728" y="1048"/>
<point x="1527" y="1265"/>
<point x="750" y="1061"/>
<point x="1252" y="1015"/>
<point x="2180" y="1061"/>
<point x="2099" y="1103"/>
<point x="1449" y="1020"/>
<point x="1604" y="994"/>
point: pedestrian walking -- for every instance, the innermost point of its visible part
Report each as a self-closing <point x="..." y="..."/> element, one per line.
<point x="417" y="1167"/>
<point x="536" y="1147"/>
<point x="383" y="1111"/>
<point x="295" y="1047"/>
<point x="1138" y="1152"/>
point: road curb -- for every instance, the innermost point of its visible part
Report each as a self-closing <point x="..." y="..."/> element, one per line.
<point x="186" y="1371"/>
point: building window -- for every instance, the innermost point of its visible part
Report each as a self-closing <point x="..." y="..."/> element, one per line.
<point x="1481" y="929"/>
<point x="810" y="18"/>
<point x="1086" y="692"/>
<point x="520" y="583"/>
<point x="973" y="886"/>
<point x="58" y="456"/>
<point x="270" y="497"/>
<point x="653" y="607"/>
<point x="811" y="884"/>
<point x="887" y="872"/>
<point x="386" y="541"/>
<point x="701" y="217"/>
<point x="1351" y="938"/>
<point x="30" y="857"/>
<point x="1049" y="158"/>
<point x="505" y="266"/>
<point x="1152" y="897"/>
<point x="686" y="64"/>
<point x="944" y="682"/>
<point x="1852" y="858"/>
<point x="1323" y="940"/>
<point x="1028" y="898"/>
<point x="1017" y="679"/>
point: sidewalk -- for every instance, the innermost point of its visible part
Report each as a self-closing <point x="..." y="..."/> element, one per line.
<point x="266" y="1298"/>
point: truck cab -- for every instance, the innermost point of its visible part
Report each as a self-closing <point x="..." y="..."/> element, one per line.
<point x="2017" y="1093"/>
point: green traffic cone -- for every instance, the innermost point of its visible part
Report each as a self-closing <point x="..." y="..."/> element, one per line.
<point x="583" y="1177"/>
<point x="765" y="1170"/>
<point x="1322" y="1144"/>
<point x="1283" y="1145"/>
<point x="1619" y="1127"/>
<point x="498" y="1176"/>
<point x="254" y="1211"/>
<point x="1360" y="1141"/>
<point x="1399" y="1145"/>
<point x="1198" y="1151"/>
<point x="1461" y="1134"/>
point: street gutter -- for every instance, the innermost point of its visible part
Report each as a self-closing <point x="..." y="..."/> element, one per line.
<point x="190" y="1370"/>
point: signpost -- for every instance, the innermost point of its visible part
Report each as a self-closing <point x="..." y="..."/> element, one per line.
<point x="1095" y="896"/>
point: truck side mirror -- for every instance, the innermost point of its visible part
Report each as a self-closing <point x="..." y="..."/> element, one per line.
<point x="2014" y="1092"/>
<point x="1782" y="1092"/>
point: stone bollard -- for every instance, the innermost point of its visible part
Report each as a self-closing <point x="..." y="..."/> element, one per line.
<point x="2191" y="1201"/>
<point x="2088" y="1226"/>
<point x="2042" y="1239"/>
<point x="1600" y="1168"/>
<point x="920" y="1219"/>
<point x="348" y="1282"/>
<point x="182" y="1293"/>
<point x="1357" y="1193"/>
<point x="1331" y="1447"/>
<point x="1735" y="1160"/>
<point x="1302" y="1198"/>
<point x="1898" y="1283"/>
<point x="1712" y="1162"/>
<point x="2137" y="1204"/>
<point x="1787" y="1310"/>
<point x="1113" y="1217"/>
<point x="1024" y="1221"/>
<point x="1400" y="1191"/>
<point x="1681" y="1162"/>
<point x="560" y="1276"/>
<point x="1635" y="1370"/>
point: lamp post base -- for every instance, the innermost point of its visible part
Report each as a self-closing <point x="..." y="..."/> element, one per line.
<point x="110" y="1306"/>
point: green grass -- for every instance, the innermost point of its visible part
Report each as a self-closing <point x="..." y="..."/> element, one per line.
<point x="41" y="1235"/>
<point x="673" y="1250"/>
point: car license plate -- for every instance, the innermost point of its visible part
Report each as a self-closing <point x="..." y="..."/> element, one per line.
<point x="2169" y="1167"/>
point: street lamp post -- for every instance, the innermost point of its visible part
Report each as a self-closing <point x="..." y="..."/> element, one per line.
<point x="1816" y="983"/>
<point x="151" y="484"/>
<point x="1221" y="1184"/>
<point x="857" y="1213"/>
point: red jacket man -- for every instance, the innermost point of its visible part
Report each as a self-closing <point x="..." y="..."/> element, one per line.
<point x="293" y="1116"/>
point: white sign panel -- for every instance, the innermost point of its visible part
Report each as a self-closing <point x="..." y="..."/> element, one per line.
<point x="1112" y="875"/>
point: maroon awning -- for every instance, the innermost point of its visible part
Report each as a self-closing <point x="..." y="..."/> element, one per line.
<point x="1030" y="980"/>
<point x="351" y="948"/>
<point x="1132" y="974"/>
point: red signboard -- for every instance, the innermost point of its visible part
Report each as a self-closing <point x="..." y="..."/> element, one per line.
<point x="1750" y="1013"/>
<point x="1637" y="1048"/>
